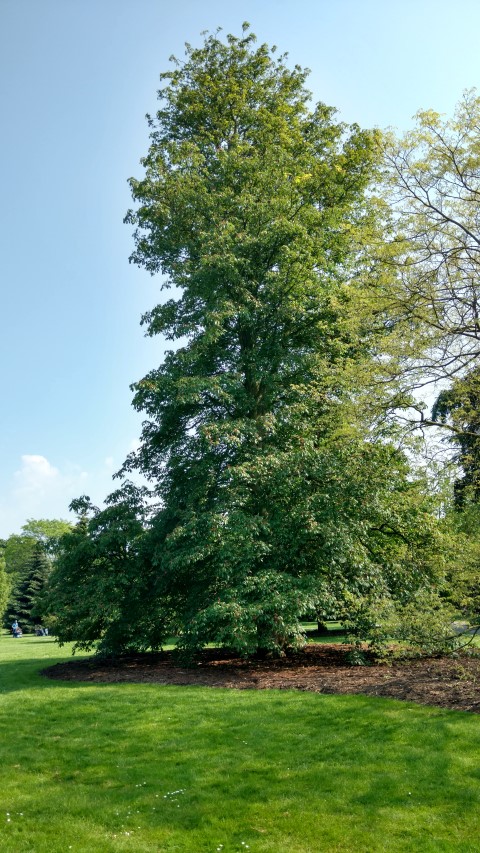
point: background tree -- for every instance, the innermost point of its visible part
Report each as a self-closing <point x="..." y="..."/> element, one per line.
<point x="27" y="590"/>
<point x="48" y="531"/>
<point x="458" y="407"/>
<point x="433" y="183"/>
<point x="5" y="582"/>
<point x="20" y="549"/>
<point x="433" y="192"/>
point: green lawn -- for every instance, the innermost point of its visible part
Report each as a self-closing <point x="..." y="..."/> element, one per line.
<point x="146" y="768"/>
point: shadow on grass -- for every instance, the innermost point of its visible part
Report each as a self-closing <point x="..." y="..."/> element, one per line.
<point x="25" y="674"/>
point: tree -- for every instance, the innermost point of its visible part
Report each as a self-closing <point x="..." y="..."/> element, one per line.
<point x="27" y="590"/>
<point x="20" y="549"/>
<point x="5" y="583"/>
<point x="458" y="407"/>
<point x="433" y="189"/>
<point x="102" y="586"/>
<point x="48" y="531"/>
<point x="273" y="498"/>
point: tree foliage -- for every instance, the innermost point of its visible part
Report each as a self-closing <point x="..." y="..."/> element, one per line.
<point x="48" y="531"/>
<point x="433" y="192"/>
<point x="20" y="550"/>
<point x="458" y="407"/>
<point x="5" y="581"/>
<point x="103" y="585"/>
<point x="27" y="590"/>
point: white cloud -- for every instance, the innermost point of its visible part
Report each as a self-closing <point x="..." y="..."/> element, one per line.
<point x="35" y="478"/>
<point x="41" y="489"/>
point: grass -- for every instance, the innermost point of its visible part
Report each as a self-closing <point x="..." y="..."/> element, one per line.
<point x="335" y="632"/>
<point x="144" y="768"/>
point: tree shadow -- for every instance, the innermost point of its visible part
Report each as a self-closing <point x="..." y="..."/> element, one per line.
<point x="26" y="674"/>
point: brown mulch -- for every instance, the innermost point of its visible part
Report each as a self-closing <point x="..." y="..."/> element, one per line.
<point x="448" y="682"/>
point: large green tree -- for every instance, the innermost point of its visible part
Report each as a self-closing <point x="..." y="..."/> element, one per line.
<point x="274" y="497"/>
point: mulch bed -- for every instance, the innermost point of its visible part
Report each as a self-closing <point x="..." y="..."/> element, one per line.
<point x="449" y="682"/>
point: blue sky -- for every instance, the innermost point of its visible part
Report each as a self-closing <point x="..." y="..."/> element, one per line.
<point x="76" y="79"/>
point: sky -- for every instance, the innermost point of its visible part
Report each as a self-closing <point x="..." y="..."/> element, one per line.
<point x="76" y="80"/>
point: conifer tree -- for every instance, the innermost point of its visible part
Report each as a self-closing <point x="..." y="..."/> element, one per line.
<point x="27" y="590"/>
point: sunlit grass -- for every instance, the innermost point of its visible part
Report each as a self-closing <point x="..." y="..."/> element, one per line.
<point x="147" y="768"/>
<point x="334" y="634"/>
